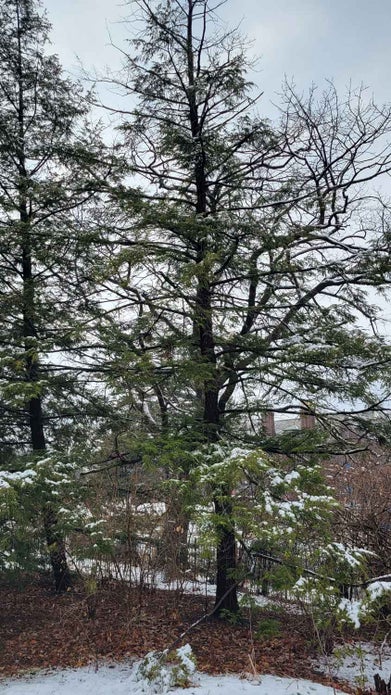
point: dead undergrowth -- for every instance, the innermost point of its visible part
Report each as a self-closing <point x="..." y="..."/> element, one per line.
<point x="41" y="630"/>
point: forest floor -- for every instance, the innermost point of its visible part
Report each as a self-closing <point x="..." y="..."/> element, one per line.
<point x="41" y="630"/>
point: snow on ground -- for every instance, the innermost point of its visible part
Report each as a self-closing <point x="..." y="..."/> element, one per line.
<point x="358" y="663"/>
<point x="120" y="680"/>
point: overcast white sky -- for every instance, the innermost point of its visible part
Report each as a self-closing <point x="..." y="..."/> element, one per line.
<point x="310" y="40"/>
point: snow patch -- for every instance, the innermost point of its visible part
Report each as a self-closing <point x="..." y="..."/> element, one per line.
<point x="121" y="680"/>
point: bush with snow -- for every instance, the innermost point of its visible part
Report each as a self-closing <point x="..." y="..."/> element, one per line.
<point x="165" y="670"/>
<point x="25" y="494"/>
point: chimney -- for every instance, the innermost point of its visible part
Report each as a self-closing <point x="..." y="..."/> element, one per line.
<point x="268" y="423"/>
<point x="307" y="420"/>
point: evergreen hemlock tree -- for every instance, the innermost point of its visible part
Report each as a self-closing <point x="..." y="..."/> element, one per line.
<point x="246" y="264"/>
<point x="46" y="161"/>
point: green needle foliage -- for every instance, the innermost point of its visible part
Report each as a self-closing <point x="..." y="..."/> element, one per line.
<point x="219" y="267"/>
<point x="246" y="249"/>
<point x="51" y="162"/>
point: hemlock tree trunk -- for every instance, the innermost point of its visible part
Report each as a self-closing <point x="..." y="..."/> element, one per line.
<point x="56" y="547"/>
<point x="54" y="539"/>
<point x="226" y="594"/>
<point x="174" y="543"/>
<point x="226" y="588"/>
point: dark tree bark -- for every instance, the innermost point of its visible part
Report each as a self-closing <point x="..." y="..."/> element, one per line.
<point x="226" y="581"/>
<point x="226" y="594"/>
<point x="54" y="539"/>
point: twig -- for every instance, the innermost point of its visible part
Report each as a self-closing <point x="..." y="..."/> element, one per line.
<point x="205" y="616"/>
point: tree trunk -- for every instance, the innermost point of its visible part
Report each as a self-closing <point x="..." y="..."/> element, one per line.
<point x="226" y="592"/>
<point x="226" y="595"/>
<point x="226" y="589"/>
<point x="174" y="545"/>
<point x="54" y="539"/>
<point x="56" y="547"/>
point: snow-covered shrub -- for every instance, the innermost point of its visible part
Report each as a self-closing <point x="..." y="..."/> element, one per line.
<point x="40" y="483"/>
<point x="165" y="670"/>
<point x="280" y="509"/>
<point x="375" y="604"/>
<point x="21" y="544"/>
<point x="320" y="600"/>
